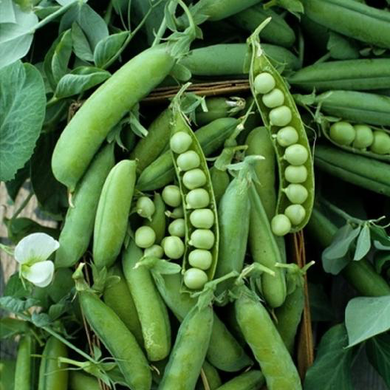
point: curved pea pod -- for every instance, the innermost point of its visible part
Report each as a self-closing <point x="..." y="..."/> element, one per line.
<point x="117" y="296"/>
<point x="355" y="75"/>
<point x="250" y="380"/>
<point x="189" y="352"/>
<point x="52" y="374"/>
<point x="360" y="107"/>
<point x="359" y="170"/>
<point x="277" y="32"/>
<point x="149" y="148"/>
<point x="211" y="375"/>
<point x="267" y="346"/>
<point x="158" y="222"/>
<point x="220" y="180"/>
<point x="24" y="364"/>
<point x="119" y="341"/>
<point x="277" y="117"/>
<point x="152" y="312"/>
<point x="113" y="212"/>
<point x="77" y="230"/>
<point x="351" y="18"/>
<point x="162" y="171"/>
<point x="80" y="381"/>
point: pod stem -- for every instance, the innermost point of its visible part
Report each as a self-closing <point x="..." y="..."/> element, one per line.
<point x="246" y="168"/>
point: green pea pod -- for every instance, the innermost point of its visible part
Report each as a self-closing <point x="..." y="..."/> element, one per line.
<point x="80" y="381"/>
<point x="149" y="148"/>
<point x="113" y="212"/>
<point x="211" y="375"/>
<point x="189" y="352"/>
<point x="267" y="346"/>
<point x="284" y="113"/>
<point x="119" y="341"/>
<point x="359" y="170"/>
<point x="355" y="75"/>
<point x="77" y="230"/>
<point x="220" y="180"/>
<point x="52" y="374"/>
<point x="250" y="380"/>
<point x="87" y="130"/>
<point x="62" y="284"/>
<point x="162" y="172"/>
<point x="117" y="296"/>
<point x="159" y="221"/>
<point x="7" y="370"/>
<point x="23" y="369"/>
<point x="151" y="309"/>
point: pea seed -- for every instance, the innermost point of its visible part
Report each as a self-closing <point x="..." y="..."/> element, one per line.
<point x="364" y="137"/>
<point x="342" y="133"/>
<point x="145" y="237"/>
<point x="264" y="83"/>
<point x="177" y="228"/>
<point x="154" y="251"/>
<point x="296" y="213"/>
<point x="145" y="207"/>
<point x="173" y="247"/>
<point x="296" y="174"/>
<point x="381" y="144"/>
<point x="194" y="178"/>
<point x="296" y="193"/>
<point x="273" y="99"/>
<point x="177" y="212"/>
<point x="296" y="154"/>
<point x="287" y="136"/>
<point x="188" y="160"/>
<point x="280" y="225"/>
<point x="200" y="258"/>
<point x="195" y="278"/>
<point x="180" y="142"/>
<point x="171" y="196"/>
<point x="198" y="199"/>
<point x="280" y="116"/>
<point x="202" y="239"/>
<point x="202" y="218"/>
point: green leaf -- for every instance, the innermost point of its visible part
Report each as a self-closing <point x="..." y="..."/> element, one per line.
<point x="10" y="327"/>
<point x="15" y="287"/>
<point x="181" y="73"/>
<point x="366" y="317"/>
<point x="14" y="185"/>
<point x="332" y="367"/>
<point x="61" y="56"/>
<point x="40" y="320"/>
<point x="363" y="243"/>
<point x="380" y="260"/>
<point x="342" y="48"/>
<point x="22" y="105"/>
<point x="378" y="353"/>
<point x="81" y="45"/>
<point x="15" y="305"/>
<point x="108" y="47"/>
<point x="7" y="13"/>
<point x="79" y="80"/>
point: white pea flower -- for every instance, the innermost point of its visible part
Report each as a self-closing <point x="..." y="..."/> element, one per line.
<point x="32" y="253"/>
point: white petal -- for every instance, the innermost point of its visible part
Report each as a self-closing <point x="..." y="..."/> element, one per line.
<point x="40" y="274"/>
<point x="35" y="247"/>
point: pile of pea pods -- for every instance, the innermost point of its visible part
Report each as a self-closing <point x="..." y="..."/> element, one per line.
<point x="177" y="247"/>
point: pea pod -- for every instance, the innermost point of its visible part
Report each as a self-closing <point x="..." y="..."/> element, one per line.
<point x="220" y="180"/>
<point x="158" y="221"/>
<point x="359" y="170"/>
<point x="23" y="369"/>
<point x="211" y="375"/>
<point x="80" y="381"/>
<point x="52" y="375"/>
<point x="77" y="230"/>
<point x="112" y="213"/>
<point x="250" y="380"/>
<point x="280" y="115"/>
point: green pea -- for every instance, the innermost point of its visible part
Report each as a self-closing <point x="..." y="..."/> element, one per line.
<point x="364" y="137"/>
<point x="296" y="174"/>
<point x="273" y="99"/>
<point x="296" y="213"/>
<point x="177" y="228"/>
<point x="154" y="251"/>
<point x="145" y="207"/>
<point x="296" y="193"/>
<point x="342" y="133"/>
<point x="194" y="178"/>
<point x="172" y="196"/>
<point x="264" y="83"/>
<point x="180" y="142"/>
<point x="202" y="239"/>
<point x="195" y="278"/>
<point x="381" y="144"/>
<point x="197" y="199"/>
<point x="145" y="237"/>
<point x="296" y="154"/>
<point x="173" y="247"/>
<point x="287" y="136"/>
<point x="280" y="225"/>
<point x="177" y="212"/>
<point x="188" y="160"/>
<point x="280" y="116"/>
<point x="200" y="258"/>
<point x="202" y="218"/>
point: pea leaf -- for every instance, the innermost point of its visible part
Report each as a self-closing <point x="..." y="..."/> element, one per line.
<point x="79" y="80"/>
<point x="40" y="320"/>
<point x="61" y="56"/>
<point x="108" y="47"/>
<point x="10" y="327"/>
<point x="380" y="260"/>
<point x="378" y="353"/>
<point x="332" y="367"/>
<point x="363" y="243"/>
<point x="22" y="104"/>
<point x="15" y="305"/>
<point x="342" y="48"/>
<point x="81" y="45"/>
<point x="15" y="287"/>
<point x="7" y="13"/>
<point x="14" y="185"/>
<point x="366" y="317"/>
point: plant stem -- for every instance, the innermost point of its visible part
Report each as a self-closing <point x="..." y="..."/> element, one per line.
<point x="23" y="205"/>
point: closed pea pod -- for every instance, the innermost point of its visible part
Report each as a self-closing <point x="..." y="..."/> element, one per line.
<point x="220" y="180"/>
<point x="23" y="368"/>
<point x="250" y="380"/>
<point x="81" y="381"/>
<point x="211" y="375"/>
